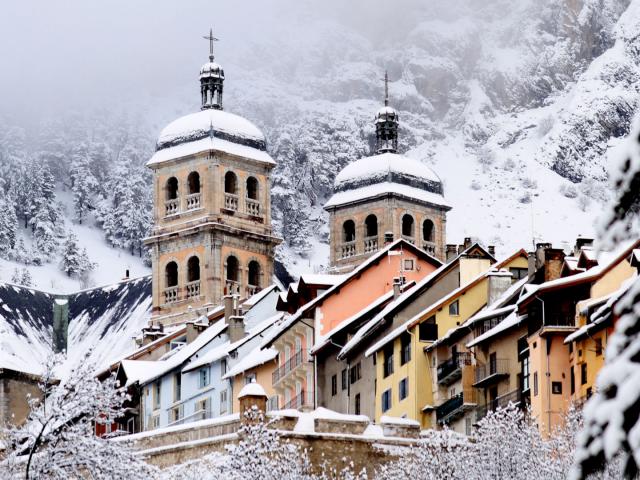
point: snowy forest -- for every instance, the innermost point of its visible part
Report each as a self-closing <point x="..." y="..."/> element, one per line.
<point x="530" y="99"/>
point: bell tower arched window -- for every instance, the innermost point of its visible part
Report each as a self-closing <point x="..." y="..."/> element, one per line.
<point x="193" y="269"/>
<point x="231" y="183"/>
<point x="193" y="182"/>
<point x="371" y="226"/>
<point x="407" y="226"/>
<point x="171" y="275"/>
<point x="427" y="231"/>
<point x="172" y="188"/>
<point x="252" y="188"/>
<point x="348" y="231"/>
<point x="254" y="274"/>
<point x="233" y="274"/>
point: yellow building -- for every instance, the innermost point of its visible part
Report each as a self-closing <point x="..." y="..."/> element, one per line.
<point x="405" y="371"/>
<point x="212" y="207"/>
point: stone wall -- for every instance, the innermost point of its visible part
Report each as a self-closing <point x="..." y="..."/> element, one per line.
<point x="15" y="389"/>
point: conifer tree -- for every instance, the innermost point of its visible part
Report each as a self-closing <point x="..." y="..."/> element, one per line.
<point x="83" y="184"/>
<point x="8" y="226"/>
<point x="71" y="256"/>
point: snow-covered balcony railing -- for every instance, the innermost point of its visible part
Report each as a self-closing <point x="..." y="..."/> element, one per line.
<point x="451" y="370"/>
<point x="171" y="294"/>
<point x="253" y="207"/>
<point x="370" y="244"/>
<point x="491" y="373"/>
<point x="231" y="287"/>
<point x="172" y="207"/>
<point x="288" y="366"/>
<point x="348" y="249"/>
<point x="193" y="201"/>
<point x="502" y="401"/>
<point x="193" y="289"/>
<point x="429" y="247"/>
<point x="231" y="202"/>
<point x="252" y="290"/>
<point x="409" y="239"/>
<point x="302" y="399"/>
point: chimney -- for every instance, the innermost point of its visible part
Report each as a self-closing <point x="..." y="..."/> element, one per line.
<point x="397" y="287"/>
<point x="236" y="329"/>
<point x="229" y="306"/>
<point x="499" y="282"/>
<point x="126" y="274"/>
<point x="193" y="330"/>
<point x="549" y="258"/>
<point x="492" y="250"/>
<point x="531" y="259"/>
<point x="467" y="242"/>
<point x="388" y="238"/>
<point x="451" y="252"/>
<point x="582" y="242"/>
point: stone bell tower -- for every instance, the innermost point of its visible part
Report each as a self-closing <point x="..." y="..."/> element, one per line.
<point x="212" y="230"/>
<point x="384" y="197"/>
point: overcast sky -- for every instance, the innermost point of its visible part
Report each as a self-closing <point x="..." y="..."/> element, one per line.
<point x="56" y="53"/>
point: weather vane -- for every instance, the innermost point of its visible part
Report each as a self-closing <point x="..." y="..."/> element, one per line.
<point x="211" y="39"/>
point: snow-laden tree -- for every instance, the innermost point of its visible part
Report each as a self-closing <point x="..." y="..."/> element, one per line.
<point x="83" y="183"/>
<point x="8" y="225"/>
<point x="612" y="415"/>
<point x="58" y="439"/>
<point x="22" y="277"/>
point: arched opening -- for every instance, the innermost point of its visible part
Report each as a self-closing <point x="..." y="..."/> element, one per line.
<point x="252" y="188"/>
<point x="254" y="274"/>
<point x="171" y="274"/>
<point x="233" y="274"/>
<point x="231" y="183"/>
<point x="193" y="269"/>
<point x="349" y="231"/>
<point x="407" y="225"/>
<point x="172" y="188"/>
<point x="193" y="182"/>
<point x="371" y="226"/>
<point x="427" y="231"/>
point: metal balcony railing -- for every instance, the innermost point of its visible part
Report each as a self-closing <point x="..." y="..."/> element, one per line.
<point x="450" y="370"/>
<point x="288" y="366"/>
<point x="302" y="399"/>
<point x="449" y="408"/>
<point x="502" y="401"/>
<point x="491" y="373"/>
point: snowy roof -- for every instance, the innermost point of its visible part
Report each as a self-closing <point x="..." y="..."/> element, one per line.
<point x="137" y="369"/>
<point x="382" y="189"/>
<point x="255" y="358"/>
<point x="210" y="68"/>
<point x="223" y="350"/>
<point x="387" y="173"/>
<point x="512" y="320"/>
<point x="252" y="389"/>
<point x="321" y="278"/>
<point x="210" y="129"/>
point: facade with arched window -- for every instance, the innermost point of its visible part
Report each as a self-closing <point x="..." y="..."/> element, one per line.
<point x="212" y="203"/>
<point x="384" y="197"/>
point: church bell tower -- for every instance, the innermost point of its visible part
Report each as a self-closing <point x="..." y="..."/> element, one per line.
<point x="212" y="230"/>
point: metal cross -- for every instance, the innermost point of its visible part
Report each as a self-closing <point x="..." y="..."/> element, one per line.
<point x="386" y="89"/>
<point x="211" y="39"/>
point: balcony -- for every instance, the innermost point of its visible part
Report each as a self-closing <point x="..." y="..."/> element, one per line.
<point x="193" y="201"/>
<point x="286" y="368"/>
<point x="370" y="244"/>
<point x="232" y="287"/>
<point x="348" y="249"/>
<point x="409" y="239"/>
<point x="231" y="202"/>
<point x="193" y="289"/>
<point x="453" y="408"/>
<point x="487" y="375"/>
<point x="171" y="207"/>
<point x="253" y="207"/>
<point x="451" y="370"/>
<point x="252" y="290"/>
<point x="302" y="399"/>
<point x="515" y="397"/>
<point x="171" y="294"/>
<point x="429" y="247"/>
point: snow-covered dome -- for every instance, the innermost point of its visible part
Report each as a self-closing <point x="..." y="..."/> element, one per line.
<point x="383" y="174"/>
<point x="386" y="114"/>
<point x="211" y="123"/>
<point x="211" y="69"/>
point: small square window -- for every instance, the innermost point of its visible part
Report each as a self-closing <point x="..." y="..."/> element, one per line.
<point x="454" y="308"/>
<point x="556" y="388"/>
<point x="408" y="264"/>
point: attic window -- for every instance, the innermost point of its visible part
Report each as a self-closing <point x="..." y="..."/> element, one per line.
<point x="454" y="308"/>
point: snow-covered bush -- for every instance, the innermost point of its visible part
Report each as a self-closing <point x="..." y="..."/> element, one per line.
<point x="58" y="440"/>
<point x="569" y="190"/>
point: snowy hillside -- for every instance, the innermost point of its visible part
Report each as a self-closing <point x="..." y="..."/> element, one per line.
<point x="515" y="105"/>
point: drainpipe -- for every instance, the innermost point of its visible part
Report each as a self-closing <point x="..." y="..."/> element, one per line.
<point x="415" y="397"/>
<point x="548" y="372"/>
